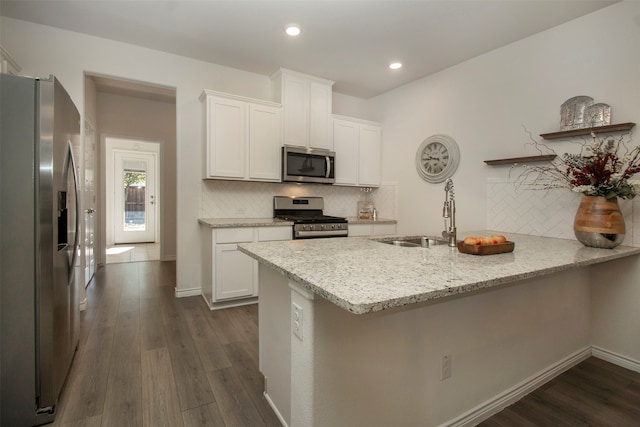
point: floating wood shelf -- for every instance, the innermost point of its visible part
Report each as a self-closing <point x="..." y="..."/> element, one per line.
<point x="529" y="159"/>
<point x="622" y="127"/>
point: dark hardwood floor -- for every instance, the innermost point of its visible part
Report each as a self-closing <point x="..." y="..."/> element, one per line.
<point x="146" y="358"/>
<point x="593" y="393"/>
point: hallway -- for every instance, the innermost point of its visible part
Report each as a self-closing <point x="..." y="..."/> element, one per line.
<point x="133" y="252"/>
<point x="146" y="358"/>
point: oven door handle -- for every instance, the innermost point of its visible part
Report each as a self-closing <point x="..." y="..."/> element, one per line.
<point x="328" y="160"/>
<point x="324" y="233"/>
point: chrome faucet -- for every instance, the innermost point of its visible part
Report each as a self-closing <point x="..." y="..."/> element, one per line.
<point x="449" y="214"/>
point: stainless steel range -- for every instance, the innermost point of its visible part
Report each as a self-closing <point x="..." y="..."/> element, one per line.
<point x="309" y="221"/>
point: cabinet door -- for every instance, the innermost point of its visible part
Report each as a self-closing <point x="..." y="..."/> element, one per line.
<point x="226" y="138"/>
<point x="345" y="145"/>
<point x="360" y="230"/>
<point x="295" y="98"/>
<point x="264" y="143"/>
<point x="320" y="96"/>
<point x="370" y="156"/>
<point x="384" y="229"/>
<point x="235" y="273"/>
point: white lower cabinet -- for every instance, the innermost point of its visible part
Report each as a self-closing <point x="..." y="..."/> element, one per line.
<point x="371" y="229"/>
<point x="235" y="273"/>
<point x="230" y="277"/>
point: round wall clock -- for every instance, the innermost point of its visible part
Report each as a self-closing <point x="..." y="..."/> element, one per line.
<point x="437" y="158"/>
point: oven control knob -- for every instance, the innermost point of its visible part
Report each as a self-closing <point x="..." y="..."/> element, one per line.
<point x="339" y="226"/>
<point x="305" y="227"/>
<point x="333" y="226"/>
<point x="321" y="226"/>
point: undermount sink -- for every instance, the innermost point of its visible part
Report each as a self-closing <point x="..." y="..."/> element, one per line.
<point x="415" y="242"/>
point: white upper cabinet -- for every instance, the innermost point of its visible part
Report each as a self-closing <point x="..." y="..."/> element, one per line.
<point x="358" y="147"/>
<point x="306" y="102"/>
<point x="242" y="137"/>
<point x="320" y="99"/>
<point x="226" y="137"/>
<point x="370" y="155"/>
<point x="345" y="145"/>
<point x="264" y="142"/>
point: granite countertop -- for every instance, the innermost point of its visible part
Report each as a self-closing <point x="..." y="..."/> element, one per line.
<point x="356" y="220"/>
<point x="243" y="222"/>
<point x="362" y="276"/>
<point x="272" y="222"/>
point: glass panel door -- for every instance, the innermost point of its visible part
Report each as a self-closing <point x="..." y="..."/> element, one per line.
<point x="135" y="203"/>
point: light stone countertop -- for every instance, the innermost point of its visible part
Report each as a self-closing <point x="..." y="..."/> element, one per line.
<point x="356" y="220"/>
<point x="272" y="222"/>
<point x="362" y="276"/>
<point x="243" y="222"/>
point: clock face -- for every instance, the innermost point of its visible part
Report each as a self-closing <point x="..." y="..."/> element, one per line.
<point x="437" y="158"/>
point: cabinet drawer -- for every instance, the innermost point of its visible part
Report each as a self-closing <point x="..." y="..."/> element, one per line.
<point x="266" y="234"/>
<point x="234" y="235"/>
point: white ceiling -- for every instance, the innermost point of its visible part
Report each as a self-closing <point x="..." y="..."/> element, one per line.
<point x="348" y="41"/>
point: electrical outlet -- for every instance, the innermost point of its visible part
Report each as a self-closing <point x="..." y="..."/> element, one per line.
<point x="296" y="320"/>
<point x="446" y="367"/>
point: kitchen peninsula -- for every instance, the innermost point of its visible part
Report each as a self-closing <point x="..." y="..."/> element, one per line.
<point x="357" y="332"/>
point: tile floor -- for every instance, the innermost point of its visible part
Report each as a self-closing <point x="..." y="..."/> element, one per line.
<point x="133" y="252"/>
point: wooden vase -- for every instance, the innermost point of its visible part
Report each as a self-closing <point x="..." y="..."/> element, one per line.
<point x="599" y="222"/>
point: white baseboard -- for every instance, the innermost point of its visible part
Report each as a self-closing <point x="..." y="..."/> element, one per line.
<point x="232" y="303"/>
<point x="191" y="292"/>
<point x="275" y="410"/>
<point x="517" y="392"/>
<point x="616" y="359"/>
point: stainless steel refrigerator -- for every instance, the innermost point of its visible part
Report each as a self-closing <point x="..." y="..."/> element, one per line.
<point x="39" y="125"/>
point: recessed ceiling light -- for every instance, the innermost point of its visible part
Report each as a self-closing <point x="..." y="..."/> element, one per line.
<point x="292" y="30"/>
<point x="395" y="65"/>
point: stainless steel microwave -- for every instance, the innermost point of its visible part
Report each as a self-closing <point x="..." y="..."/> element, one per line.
<point x="308" y="165"/>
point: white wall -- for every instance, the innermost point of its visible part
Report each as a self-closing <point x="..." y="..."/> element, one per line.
<point x="483" y="103"/>
<point x="615" y="316"/>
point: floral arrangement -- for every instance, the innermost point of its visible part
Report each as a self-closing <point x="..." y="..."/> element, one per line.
<point x="602" y="167"/>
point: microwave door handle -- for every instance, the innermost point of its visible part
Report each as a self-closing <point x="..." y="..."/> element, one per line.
<point x="328" y="160"/>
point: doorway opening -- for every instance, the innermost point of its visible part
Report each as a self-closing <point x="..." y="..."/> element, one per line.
<point x="137" y="113"/>
<point x="133" y="203"/>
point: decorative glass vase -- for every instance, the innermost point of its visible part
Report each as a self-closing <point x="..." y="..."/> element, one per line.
<point x="599" y="222"/>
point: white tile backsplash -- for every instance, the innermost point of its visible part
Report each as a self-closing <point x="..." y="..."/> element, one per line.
<point x="243" y="199"/>
<point x="547" y="213"/>
<point x="540" y="213"/>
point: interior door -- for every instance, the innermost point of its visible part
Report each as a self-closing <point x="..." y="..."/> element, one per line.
<point x="89" y="200"/>
<point x="135" y="200"/>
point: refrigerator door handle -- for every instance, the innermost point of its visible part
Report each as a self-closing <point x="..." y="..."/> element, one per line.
<point x="76" y="239"/>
